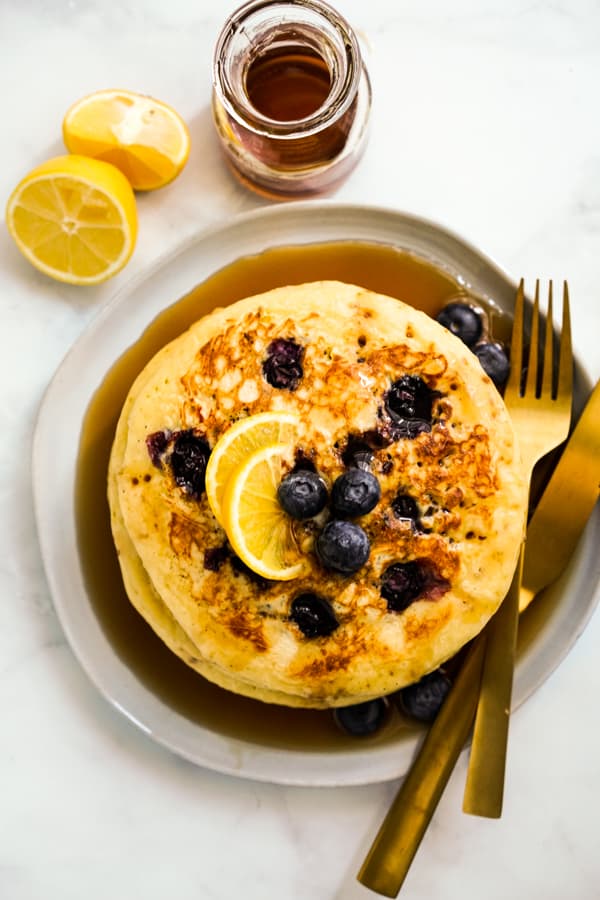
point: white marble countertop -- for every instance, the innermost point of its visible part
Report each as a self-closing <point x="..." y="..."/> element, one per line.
<point x="486" y="120"/>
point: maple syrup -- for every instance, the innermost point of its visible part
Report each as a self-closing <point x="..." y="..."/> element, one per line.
<point x="291" y="97"/>
<point x="287" y="85"/>
<point x="379" y="268"/>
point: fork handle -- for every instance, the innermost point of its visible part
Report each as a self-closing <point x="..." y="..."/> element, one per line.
<point x="484" y="790"/>
<point x="402" y="830"/>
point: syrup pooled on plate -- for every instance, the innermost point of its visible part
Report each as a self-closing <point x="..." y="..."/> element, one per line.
<point x="379" y="268"/>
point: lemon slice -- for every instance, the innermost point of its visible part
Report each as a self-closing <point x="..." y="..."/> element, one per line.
<point x="74" y="219"/>
<point x="259" y="530"/>
<point x="237" y="443"/>
<point x="144" y="138"/>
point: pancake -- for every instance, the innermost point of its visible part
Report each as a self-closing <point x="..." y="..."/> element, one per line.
<point x="449" y="521"/>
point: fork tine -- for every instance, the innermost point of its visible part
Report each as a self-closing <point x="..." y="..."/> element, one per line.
<point x="516" y="343"/>
<point x="565" y="363"/>
<point x="533" y="362"/>
<point x="548" y="359"/>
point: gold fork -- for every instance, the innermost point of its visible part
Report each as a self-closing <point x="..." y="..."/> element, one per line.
<point x="391" y="854"/>
<point x="541" y="414"/>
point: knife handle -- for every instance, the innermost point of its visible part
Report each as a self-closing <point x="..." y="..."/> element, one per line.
<point x="402" y="830"/>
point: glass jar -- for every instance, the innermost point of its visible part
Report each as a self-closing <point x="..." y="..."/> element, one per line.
<point x="291" y="97"/>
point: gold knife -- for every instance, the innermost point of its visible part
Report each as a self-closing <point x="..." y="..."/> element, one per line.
<point x="573" y="488"/>
<point x="391" y="854"/>
<point x="571" y="494"/>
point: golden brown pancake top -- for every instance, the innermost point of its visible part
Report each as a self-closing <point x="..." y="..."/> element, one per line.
<point x="461" y="470"/>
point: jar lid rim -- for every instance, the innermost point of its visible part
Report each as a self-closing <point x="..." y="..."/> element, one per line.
<point x="339" y="99"/>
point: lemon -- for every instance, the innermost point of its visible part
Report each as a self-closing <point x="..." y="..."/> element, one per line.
<point x="259" y="530"/>
<point x="74" y="219"/>
<point x="237" y="443"/>
<point x="143" y="137"/>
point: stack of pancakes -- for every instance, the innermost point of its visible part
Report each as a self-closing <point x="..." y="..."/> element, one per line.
<point x="460" y="471"/>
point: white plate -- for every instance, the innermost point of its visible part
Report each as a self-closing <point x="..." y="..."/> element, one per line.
<point x="549" y="629"/>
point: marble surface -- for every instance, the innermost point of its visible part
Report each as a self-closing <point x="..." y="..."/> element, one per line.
<point x="485" y="119"/>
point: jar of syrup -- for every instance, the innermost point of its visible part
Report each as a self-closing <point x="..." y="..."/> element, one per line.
<point x="291" y="97"/>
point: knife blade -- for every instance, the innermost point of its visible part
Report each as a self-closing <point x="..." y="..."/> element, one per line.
<point x="573" y="486"/>
<point x="390" y="856"/>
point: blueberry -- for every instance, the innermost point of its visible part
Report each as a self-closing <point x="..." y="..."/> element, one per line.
<point x="343" y="546"/>
<point x="409" y="403"/>
<point x="188" y="460"/>
<point x="362" y="718"/>
<point x="282" y="367"/>
<point x="355" y="493"/>
<point x="214" y="557"/>
<point x="401" y="583"/>
<point x="494" y="362"/>
<point x="156" y="444"/>
<point x="357" y="454"/>
<point x="463" y="321"/>
<point x="405" y="507"/>
<point x="302" y="493"/>
<point x="313" y="615"/>
<point x="424" y="699"/>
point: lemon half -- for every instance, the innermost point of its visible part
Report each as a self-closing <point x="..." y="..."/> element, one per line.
<point x="237" y="443"/>
<point x="74" y="219"/>
<point x="143" y="137"/>
<point x="259" y="530"/>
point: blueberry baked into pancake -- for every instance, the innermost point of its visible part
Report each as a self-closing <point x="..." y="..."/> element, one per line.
<point x="316" y="495"/>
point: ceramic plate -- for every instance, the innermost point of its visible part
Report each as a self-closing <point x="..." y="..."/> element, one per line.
<point x="212" y="728"/>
